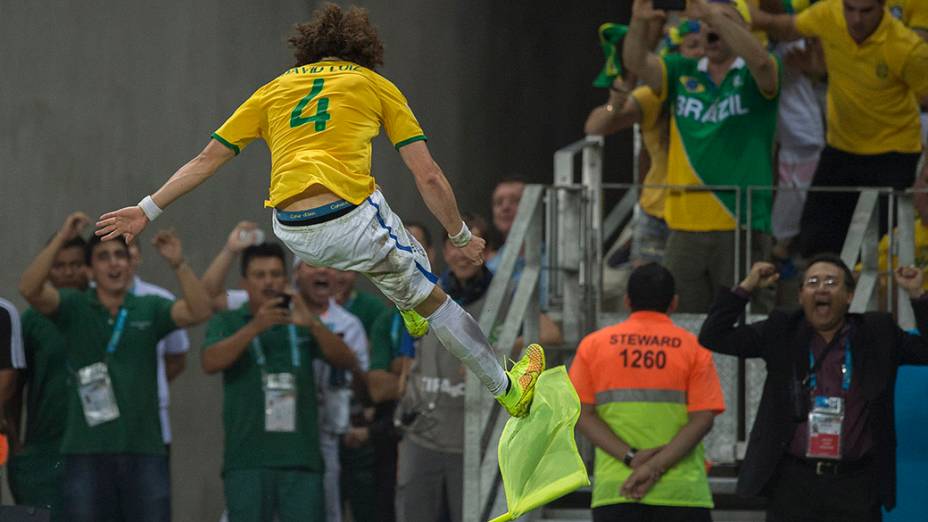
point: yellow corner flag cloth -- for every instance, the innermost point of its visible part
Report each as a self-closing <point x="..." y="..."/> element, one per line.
<point x="538" y="457"/>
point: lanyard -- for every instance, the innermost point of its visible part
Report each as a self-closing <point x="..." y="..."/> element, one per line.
<point x="261" y="360"/>
<point x="845" y="368"/>
<point x="117" y="332"/>
<point x="395" y="330"/>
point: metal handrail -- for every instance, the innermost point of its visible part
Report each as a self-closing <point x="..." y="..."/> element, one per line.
<point x="571" y="212"/>
<point x="483" y="423"/>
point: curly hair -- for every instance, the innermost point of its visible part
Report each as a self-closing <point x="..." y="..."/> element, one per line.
<point x="347" y="35"/>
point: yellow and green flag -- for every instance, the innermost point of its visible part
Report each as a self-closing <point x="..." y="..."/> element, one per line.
<point x="610" y="34"/>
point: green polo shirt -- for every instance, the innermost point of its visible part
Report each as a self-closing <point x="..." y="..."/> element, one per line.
<point x="87" y="328"/>
<point x="367" y="308"/>
<point x="46" y="377"/>
<point x="247" y="444"/>
<point x="385" y="338"/>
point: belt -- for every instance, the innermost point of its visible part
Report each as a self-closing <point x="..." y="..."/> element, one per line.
<point x="831" y="467"/>
<point x="314" y="216"/>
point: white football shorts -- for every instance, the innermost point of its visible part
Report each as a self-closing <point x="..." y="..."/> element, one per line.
<point x="371" y="240"/>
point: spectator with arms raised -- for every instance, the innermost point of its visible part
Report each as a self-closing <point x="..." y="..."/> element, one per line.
<point x="823" y="445"/>
<point x="35" y="468"/>
<point x="877" y="70"/>
<point x="641" y="105"/>
<point x="724" y="110"/>
<point x="115" y="462"/>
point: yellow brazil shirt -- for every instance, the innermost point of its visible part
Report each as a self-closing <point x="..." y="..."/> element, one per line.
<point x="872" y="89"/>
<point x="913" y="13"/>
<point x="318" y="121"/>
<point x="655" y="131"/>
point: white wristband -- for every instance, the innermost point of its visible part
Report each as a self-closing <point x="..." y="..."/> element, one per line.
<point x="150" y="208"/>
<point x="462" y="238"/>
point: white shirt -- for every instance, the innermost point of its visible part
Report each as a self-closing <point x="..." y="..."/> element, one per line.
<point x="801" y="118"/>
<point x="175" y="342"/>
<point x="17" y="356"/>
<point x="335" y="401"/>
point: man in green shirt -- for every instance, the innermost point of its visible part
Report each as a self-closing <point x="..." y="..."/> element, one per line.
<point x="35" y="467"/>
<point x="115" y="463"/>
<point x="272" y="465"/>
<point x="724" y="110"/>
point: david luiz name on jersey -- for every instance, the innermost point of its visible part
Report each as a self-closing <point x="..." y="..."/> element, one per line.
<point x="718" y="111"/>
<point x="645" y="340"/>
<point x="314" y="69"/>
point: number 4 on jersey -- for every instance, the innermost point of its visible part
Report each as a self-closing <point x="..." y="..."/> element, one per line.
<point x="322" y="108"/>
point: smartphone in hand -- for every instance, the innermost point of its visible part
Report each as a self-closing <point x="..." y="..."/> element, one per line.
<point x="670" y="5"/>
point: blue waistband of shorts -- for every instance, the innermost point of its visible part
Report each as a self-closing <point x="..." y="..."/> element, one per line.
<point x="315" y="215"/>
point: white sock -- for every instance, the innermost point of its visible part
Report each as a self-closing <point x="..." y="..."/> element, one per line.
<point x="461" y="335"/>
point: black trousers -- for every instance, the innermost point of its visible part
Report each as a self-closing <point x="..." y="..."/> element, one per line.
<point x="798" y="494"/>
<point x="643" y="513"/>
<point x="827" y="215"/>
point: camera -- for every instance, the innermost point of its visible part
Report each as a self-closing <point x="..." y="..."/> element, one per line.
<point x="406" y="418"/>
<point x="252" y="237"/>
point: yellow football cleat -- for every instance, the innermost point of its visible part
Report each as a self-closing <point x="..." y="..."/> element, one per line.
<point x="523" y="377"/>
<point x="416" y="325"/>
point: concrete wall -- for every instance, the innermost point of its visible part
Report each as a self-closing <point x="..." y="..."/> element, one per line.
<point x="101" y="101"/>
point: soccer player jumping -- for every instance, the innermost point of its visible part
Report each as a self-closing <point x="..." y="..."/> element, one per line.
<point x="318" y="120"/>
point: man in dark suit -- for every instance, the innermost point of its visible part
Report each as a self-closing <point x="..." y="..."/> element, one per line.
<point x="823" y="446"/>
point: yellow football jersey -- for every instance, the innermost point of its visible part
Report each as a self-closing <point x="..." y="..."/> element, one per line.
<point x="872" y="87"/>
<point x="655" y="131"/>
<point x="318" y="121"/>
<point x="913" y="13"/>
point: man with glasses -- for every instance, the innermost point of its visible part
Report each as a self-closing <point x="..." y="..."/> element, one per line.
<point x="823" y="445"/>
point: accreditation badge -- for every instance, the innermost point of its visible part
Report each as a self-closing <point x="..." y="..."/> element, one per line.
<point x="280" y="402"/>
<point x="96" y="391"/>
<point x="825" y="421"/>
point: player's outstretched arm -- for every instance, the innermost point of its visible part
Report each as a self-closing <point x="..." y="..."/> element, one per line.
<point x="439" y="197"/>
<point x="129" y="222"/>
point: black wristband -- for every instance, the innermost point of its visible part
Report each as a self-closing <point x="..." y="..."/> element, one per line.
<point x="627" y="459"/>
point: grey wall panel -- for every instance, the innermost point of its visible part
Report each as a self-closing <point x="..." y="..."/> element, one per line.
<point x="101" y="101"/>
